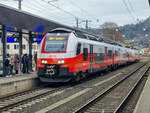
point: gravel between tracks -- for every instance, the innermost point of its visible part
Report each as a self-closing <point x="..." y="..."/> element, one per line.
<point x="112" y="100"/>
<point x="133" y="99"/>
<point x="70" y="106"/>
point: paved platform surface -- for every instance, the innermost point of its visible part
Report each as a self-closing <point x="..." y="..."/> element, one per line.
<point x="18" y="83"/>
<point x="18" y="77"/>
<point x="143" y="105"/>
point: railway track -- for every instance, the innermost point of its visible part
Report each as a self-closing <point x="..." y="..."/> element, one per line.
<point x="17" y="99"/>
<point x="114" y="97"/>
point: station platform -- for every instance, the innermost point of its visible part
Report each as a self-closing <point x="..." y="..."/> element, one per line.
<point x="143" y="104"/>
<point x="18" y="83"/>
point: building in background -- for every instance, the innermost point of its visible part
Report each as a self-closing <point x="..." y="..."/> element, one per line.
<point x="13" y="48"/>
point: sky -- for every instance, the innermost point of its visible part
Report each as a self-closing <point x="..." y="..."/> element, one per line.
<point x="96" y="11"/>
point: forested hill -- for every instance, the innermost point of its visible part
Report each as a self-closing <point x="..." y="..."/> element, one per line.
<point x="134" y="31"/>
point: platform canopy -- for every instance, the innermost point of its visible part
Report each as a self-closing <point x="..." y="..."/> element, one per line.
<point x="24" y="20"/>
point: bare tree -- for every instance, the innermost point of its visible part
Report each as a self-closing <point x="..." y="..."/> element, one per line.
<point x="111" y="31"/>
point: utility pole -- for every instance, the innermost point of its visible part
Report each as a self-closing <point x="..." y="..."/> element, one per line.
<point x="77" y="23"/>
<point x="19" y="4"/>
<point x="86" y="23"/>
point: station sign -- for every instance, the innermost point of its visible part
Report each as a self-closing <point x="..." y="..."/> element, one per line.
<point x="37" y="39"/>
<point x="12" y="39"/>
<point x="10" y="28"/>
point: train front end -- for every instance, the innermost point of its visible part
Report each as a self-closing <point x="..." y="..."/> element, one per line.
<point x="54" y="55"/>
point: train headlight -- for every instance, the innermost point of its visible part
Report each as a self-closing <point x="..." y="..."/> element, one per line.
<point x="61" y="61"/>
<point x="44" y="61"/>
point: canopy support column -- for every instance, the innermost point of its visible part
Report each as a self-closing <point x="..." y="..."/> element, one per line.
<point x="4" y="35"/>
<point x="20" y="50"/>
<point x="30" y="47"/>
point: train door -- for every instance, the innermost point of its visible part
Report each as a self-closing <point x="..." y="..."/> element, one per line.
<point x="105" y="55"/>
<point x="119" y="55"/>
<point x="113" y="55"/>
<point x="91" y="58"/>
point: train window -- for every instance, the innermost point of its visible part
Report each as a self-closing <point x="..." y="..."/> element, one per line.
<point x="56" y="42"/>
<point x="110" y="53"/>
<point x="124" y="55"/>
<point x="85" y="54"/>
<point x="78" y="49"/>
<point x="127" y="54"/>
<point x="99" y="57"/>
<point x="105" y="51"/>
<point x="116" y="53"/>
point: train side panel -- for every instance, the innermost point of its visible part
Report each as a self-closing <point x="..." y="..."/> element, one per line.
<point x="62" y="57"/>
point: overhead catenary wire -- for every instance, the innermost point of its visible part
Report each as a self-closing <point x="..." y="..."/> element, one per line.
<point x="63" y="18"/>
<point x="38" y="3"/>
<point x="131" y="15"/>
<point x="38" y="7"/>
<point x="46" y="12"/>
<point x="45" y="15"/>
<point x="130" y="4"/>
<point x="61" y="9"/>
<point x="30" y="6"/>
<point x="81" y="9"/>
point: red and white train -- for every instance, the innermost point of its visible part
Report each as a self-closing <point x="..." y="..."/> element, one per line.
<point x="66" y="55"/>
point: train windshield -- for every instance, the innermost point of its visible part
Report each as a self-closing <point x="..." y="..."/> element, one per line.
<point x="56" y="42"/>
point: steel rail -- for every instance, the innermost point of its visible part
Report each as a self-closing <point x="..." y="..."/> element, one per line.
<point x="23" y="101"/>
<point x="131" y="91"/>
<point x="23" y="92"/>
<point x="94" y="100"/>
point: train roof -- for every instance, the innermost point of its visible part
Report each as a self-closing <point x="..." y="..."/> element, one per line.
<point x="86" y="35"/>
<point x="89" y="36"/>
<point x="79" y="33"/>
